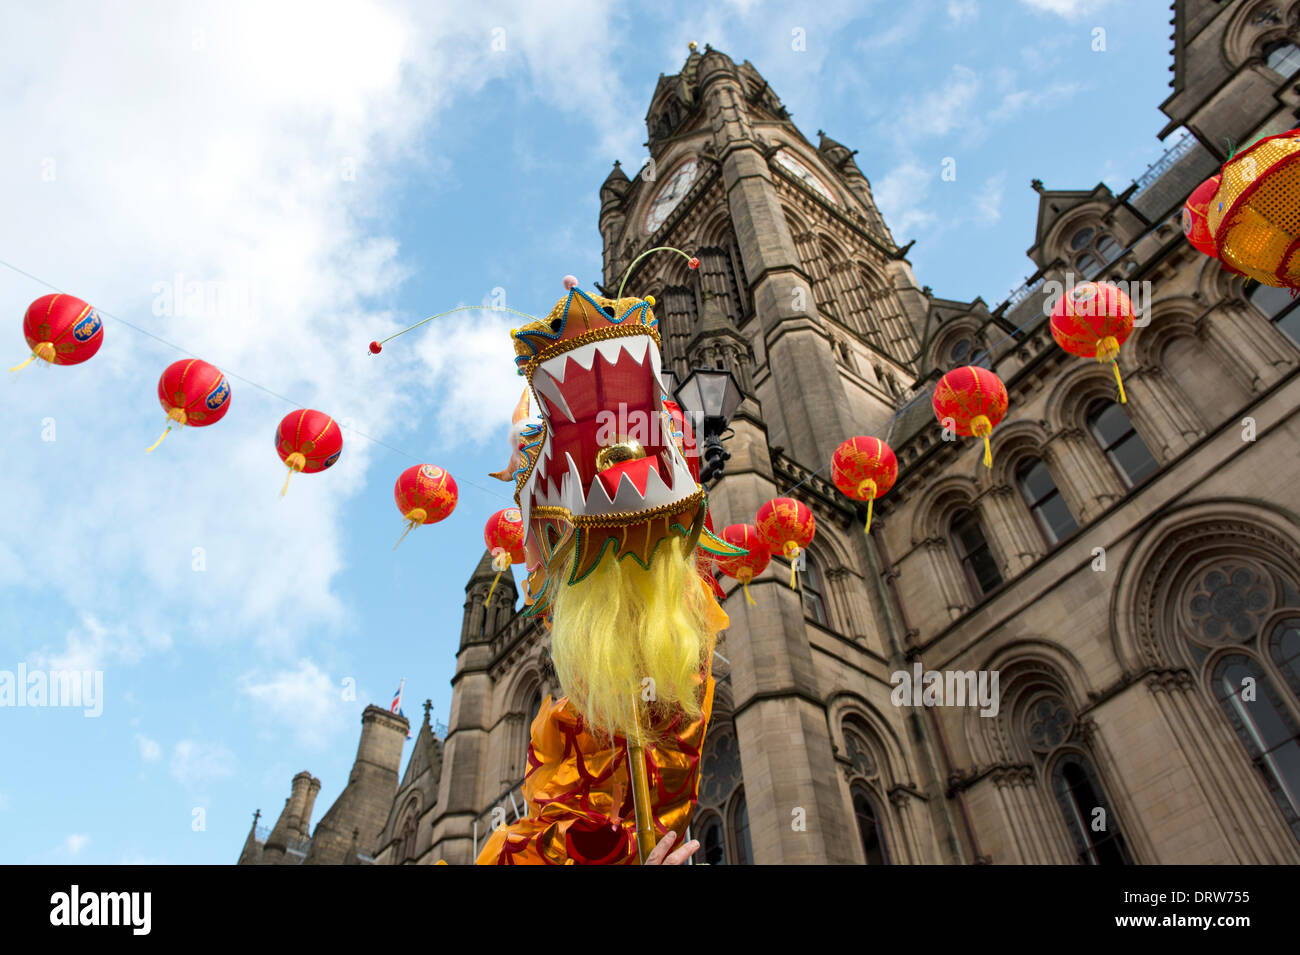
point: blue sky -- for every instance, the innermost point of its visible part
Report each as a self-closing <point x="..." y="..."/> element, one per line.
<point x="320" y="175"/>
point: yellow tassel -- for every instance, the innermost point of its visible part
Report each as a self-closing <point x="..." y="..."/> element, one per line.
<point x="792" y="555"/>
<point x="297" y="462"/>
<point x="870" y="502"/>
<point x="43" y="351"/>
<point x="1119" y="381"/>
<point x="160" y="440"/>
<point x="750" y="600"/>
<point x="410" y="525"/>
<point x="491" y="590"/>
<point x="988" y="453"/>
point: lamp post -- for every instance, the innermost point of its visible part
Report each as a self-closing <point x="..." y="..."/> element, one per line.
<point x="710" y="396"/>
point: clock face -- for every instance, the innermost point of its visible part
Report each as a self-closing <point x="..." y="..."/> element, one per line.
<point x="797" y="168"/>
<point x="670" y="194"/>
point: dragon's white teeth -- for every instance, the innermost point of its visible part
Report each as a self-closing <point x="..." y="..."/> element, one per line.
<point x="682" y="481"/>
<point x="635" y="345"/>
<point x="572" y="491"/>
<point x="550" y="390"/>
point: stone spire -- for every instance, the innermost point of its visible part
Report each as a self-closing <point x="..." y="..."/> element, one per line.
<point x="252" y="851"/>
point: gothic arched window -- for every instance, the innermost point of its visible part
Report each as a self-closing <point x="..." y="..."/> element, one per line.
<point x="960" y="350"/>
<point x="713" y="842"/>
<point x="723" y="823"/>
<point x="1282" y="57"/>
<point x="1265" y="726"/>
<point x="973" y="552"/>
<point x="869" y="832"/>
<point x="1044" y="500"/>
<point x="1092" y="251"/>
<point x="1231" y="608"/>
<point x="1088" y="816"/>
<point x="1282" y="310"/>
<point x="1120" y="442"/>
<point x="813" y="587"/>
<point x="740" y="830"/>
<point x="408" y="833"/>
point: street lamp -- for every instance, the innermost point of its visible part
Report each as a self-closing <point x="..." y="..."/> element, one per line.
<point x="710" y="396"/>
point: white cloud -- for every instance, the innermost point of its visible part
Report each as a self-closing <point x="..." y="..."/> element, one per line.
<point x="1070" y="9"/>
<point x="959" y="11"/>
<point x="74" y="843"/>
<point x="194" y="764"/>
<point x="988" y="202"/>
<point x="254" y="161"/>
<point x="303" y="700"/>
<point x="939" y="111"/>
<point x="95" y="645"/>
<point x="150" y="751"/>
<point x="901" y="194"/>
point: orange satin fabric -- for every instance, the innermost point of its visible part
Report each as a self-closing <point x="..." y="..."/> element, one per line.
<point x="578" y="790"/>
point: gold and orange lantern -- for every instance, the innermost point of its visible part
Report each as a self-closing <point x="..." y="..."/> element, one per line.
<point x="1092" y="320"/>
<point x="61" y="330"/>
<point x="193" y="393"/>
<point x="744" y="568"/>
<point x="864" y="469"/>
<point x="787" y="527"/>
<point x="308" y="442"/>
<point x="504" y="536"/>
<point x="971" y="401"/>
<point x="1195" y="210"/>
<point x="1255" y="213"/>
<point x="425" y="494"/>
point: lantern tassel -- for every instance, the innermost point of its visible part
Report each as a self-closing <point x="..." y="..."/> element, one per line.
<point x="870" y="501"/>
<point x="1120" y="382"/>
<point x="160" y="441"/>
<point x="988" y="453"/>
<point x="491" y="590"/>
<point x="792" y="552"/>
<point x="285" y="490"/>
<point x="748" y="599"/>
<point x="21" y="365"/>
<point x="410" y="526"/>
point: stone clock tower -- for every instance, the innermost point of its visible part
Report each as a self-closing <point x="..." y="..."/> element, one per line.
<point x="803" y="294"/>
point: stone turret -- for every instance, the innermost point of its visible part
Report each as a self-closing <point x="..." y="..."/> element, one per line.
<point x="365" y="802"/>
<point x="290" y="828"/>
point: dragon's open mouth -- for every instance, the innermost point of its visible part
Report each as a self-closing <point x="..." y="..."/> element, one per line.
<point x="606" y="394"/>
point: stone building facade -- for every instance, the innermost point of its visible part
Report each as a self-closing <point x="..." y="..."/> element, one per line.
<point x="1130" y="572"/>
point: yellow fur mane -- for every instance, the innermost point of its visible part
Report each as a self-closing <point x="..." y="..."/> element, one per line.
<point x="624" y="637"/>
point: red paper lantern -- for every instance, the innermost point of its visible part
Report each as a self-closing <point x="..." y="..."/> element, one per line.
<point x="749" y="566"/>
<point x="971" y="401"/>
<point x="1092" y="320"/>
<point x="1195" y="225"/>
<point x="787" y="527"/>
<point x="307" y="441"/>
<point x="425" y="494"/>
<point x="62" y="330"/>
<point x="864" y="469"/>
<point x="504" y="536"/>
<point x="193" y="393"/>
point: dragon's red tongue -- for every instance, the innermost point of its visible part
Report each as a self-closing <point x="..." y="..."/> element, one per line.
<point x="638" y="469"/>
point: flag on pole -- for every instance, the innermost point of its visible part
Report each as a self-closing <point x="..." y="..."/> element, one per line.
<point x="397" y="705"/>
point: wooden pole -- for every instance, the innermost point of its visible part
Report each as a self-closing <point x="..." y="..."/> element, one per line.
<point x="645" y="833"/>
